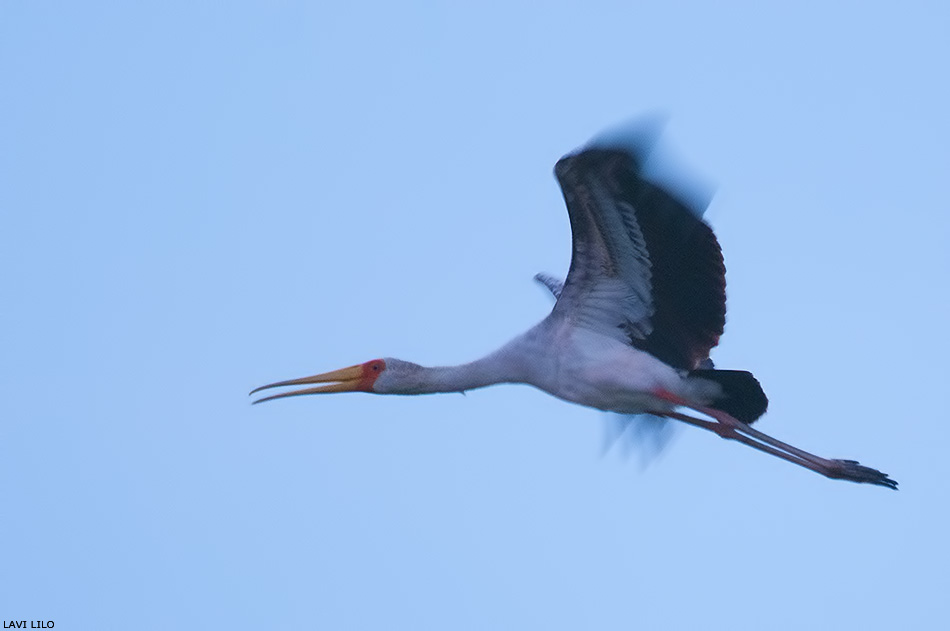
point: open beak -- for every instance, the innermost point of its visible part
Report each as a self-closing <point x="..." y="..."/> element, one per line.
<point x="343" y="380"/>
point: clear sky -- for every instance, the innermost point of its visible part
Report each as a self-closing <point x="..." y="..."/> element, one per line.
<point x="200" y="198"/>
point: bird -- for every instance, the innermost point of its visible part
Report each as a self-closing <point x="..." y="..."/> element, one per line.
<point x="633" y="323"/>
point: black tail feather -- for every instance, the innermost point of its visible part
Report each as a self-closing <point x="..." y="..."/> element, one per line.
<point x="742" y="396"/>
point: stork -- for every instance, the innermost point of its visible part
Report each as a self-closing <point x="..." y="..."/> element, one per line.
<point x="643" y="304"/>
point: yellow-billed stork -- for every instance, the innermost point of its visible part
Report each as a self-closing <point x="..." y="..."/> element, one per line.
<point x="643" y="305"/>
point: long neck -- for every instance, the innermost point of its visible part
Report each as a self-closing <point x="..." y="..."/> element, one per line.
<point x="502" y="366"/>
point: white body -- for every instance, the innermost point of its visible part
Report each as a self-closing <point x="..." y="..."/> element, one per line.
<point x="588" y="368"/>
<point x="569" y="362"/>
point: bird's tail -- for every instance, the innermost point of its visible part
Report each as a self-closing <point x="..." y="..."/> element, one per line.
<point x="742" y="397"/>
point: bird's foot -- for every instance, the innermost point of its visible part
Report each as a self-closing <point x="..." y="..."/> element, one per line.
<point x="853" y="471"/>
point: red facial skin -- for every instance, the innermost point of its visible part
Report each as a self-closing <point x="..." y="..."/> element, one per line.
<point x="371" y="370"/>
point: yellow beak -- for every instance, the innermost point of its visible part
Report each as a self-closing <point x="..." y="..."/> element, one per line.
<point x="346" y="380"/>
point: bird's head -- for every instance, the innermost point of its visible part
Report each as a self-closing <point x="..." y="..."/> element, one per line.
<point x="379" y="376"/>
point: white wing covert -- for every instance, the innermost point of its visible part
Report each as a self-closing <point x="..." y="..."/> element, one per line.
<point x="645" y="268"/>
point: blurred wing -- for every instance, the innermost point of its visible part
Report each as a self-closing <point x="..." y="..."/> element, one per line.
<point x="645" y="268"/>
<point x="644" y="434"/>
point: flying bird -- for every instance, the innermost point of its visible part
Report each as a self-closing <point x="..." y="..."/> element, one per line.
<point x="643" y="304"/>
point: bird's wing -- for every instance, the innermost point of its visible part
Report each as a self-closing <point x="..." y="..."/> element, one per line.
<point x="645" y="268"/>
<point x="554" y="285"/>
<point x="647" y="435"/>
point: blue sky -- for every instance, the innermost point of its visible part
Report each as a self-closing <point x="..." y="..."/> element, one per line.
<point x="199" y="199"/>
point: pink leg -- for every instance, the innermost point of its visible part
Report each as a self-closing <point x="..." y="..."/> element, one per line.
<point x="730" y="428"/>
